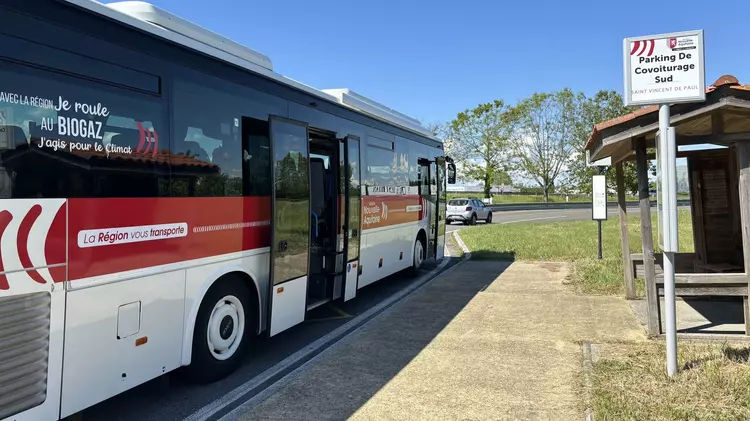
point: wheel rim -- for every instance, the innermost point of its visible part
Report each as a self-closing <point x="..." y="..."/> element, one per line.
<point x="226" y="327"/>
<point x="418" y="252"/>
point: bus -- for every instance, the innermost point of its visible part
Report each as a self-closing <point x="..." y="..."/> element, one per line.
<point x="166" y="197"/>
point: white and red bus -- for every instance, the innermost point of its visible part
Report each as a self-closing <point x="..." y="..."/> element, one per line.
<point x="165" y="197"/>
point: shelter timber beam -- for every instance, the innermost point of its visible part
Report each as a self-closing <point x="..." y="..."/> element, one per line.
<point x="717" y="138"/>
<point x="743" y="165"/>
<point x="652" y="299"/>
<point x="683" y="154"/>
<point x="624" y="239"/>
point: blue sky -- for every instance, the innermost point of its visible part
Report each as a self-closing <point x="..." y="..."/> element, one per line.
<point x="432" y="59"/>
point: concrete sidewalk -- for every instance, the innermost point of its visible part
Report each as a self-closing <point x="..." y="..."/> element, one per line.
<point x="486" y="340"/>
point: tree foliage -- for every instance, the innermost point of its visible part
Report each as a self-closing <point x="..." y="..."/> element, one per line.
<point x="603" y="106"/>
<point x="543" y="138"/>
<point x="479" y="143"/>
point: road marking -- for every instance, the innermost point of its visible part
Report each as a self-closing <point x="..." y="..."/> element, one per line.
<point x="533" y="219"/>
<point x="246" y="392"/>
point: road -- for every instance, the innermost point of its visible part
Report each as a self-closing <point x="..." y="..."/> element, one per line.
<point x="543" y="215"/>
<point x="171" y="397"/>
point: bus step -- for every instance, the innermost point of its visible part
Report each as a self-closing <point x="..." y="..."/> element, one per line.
<point x="318" y="303"/>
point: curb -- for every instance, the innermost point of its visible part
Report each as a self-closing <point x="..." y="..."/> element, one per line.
<point x="244" y="397"/>
<point x="467" y="253"/>
<point x="588" y="368"/>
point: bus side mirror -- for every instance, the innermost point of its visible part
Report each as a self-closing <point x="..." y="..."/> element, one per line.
<point x="451" y="173"/>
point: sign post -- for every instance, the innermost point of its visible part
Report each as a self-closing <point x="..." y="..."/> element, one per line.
<point x="599" y="204"/>
<point x="666" y="69"/>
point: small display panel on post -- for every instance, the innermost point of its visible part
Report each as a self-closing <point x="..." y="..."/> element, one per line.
<point x="599" y="199"/>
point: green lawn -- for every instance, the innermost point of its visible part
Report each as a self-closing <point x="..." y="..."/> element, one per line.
<point x="574" y="241"/>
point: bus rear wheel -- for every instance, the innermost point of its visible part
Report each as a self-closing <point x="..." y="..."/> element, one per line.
<point x="223" y="328"/>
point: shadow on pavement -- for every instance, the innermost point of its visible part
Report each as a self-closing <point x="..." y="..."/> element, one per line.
<point x="501" y="256"/>
<point x="347" y="376"/>
<point x="718" y="314"/>
<point x="173" y="397"/>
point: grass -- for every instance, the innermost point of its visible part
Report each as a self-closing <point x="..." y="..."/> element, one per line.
<point x="713" y="384"/>
<point x="574" y="241"/>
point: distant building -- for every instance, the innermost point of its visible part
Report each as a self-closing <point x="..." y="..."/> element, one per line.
<point x="478" y="188"/>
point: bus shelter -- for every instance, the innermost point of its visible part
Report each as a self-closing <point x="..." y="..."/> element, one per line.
<point x="714" y="138"/>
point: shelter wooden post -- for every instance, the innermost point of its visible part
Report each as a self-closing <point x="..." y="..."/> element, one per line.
<point x="652" y="299"/>
<point x="624" y="240"/>
<point x="743" y="165"/>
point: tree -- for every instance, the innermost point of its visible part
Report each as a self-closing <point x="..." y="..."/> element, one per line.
<point x="439" y="129"/>
<point x="543" y="138"/>
<point x="479" y="143"/>
<point x="442" y="131"/>
<point x="603" y="106"/>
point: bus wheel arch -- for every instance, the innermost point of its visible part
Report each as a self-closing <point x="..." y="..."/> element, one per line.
<point x="225" y="323"/>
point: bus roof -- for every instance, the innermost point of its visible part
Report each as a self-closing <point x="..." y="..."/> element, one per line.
<point x="151" y="19"/>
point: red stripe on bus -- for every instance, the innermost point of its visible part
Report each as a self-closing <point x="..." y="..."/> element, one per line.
<point x="215" y="226"/>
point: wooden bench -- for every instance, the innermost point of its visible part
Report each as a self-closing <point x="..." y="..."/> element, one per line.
<point x="715" y="279"/>
<point x="707" y="285"/>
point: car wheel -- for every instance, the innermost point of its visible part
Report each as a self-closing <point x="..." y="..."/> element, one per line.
<point x="473" y="220"/>
<point x="223" y="328"/>
<point x="489" y="218"/>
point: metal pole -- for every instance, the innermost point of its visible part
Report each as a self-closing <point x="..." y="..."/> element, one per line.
<point x="599" y="222"/>
<point x="669" y="172"/>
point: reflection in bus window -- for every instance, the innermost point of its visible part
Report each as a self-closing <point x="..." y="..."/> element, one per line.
<point x="381" y="164"/>
<point x="209" y="128"/>
<point x="63" y="137"/>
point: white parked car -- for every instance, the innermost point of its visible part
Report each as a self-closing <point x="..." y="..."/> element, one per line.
<point x="468" y="211"/>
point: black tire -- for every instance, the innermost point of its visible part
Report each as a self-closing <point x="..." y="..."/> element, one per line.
<point x="205" y="367"/>
<point x="473" y="220"/>
<point x="489" y="218"/>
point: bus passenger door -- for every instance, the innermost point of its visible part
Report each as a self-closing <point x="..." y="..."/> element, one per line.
<point x="352" y="208"/>
<point x="441" y="206"/>
<point x="290" y="223"/>
<point x="426" y="191"/>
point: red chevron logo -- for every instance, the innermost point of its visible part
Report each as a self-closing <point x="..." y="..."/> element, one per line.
<point x="641" y="47"/>
<point x="30" y="254"/>
<point x="148" y="137"/>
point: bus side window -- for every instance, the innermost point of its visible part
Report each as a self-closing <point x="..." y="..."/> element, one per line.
<point x="61" y="136"/>
<point x="232" y="149"/>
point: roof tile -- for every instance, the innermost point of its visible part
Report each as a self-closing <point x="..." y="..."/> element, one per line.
<point x="730" y="80"/>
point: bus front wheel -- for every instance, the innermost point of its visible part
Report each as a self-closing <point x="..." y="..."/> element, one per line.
<point x="418" y="255"/>
<point x="223" y="328"/>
